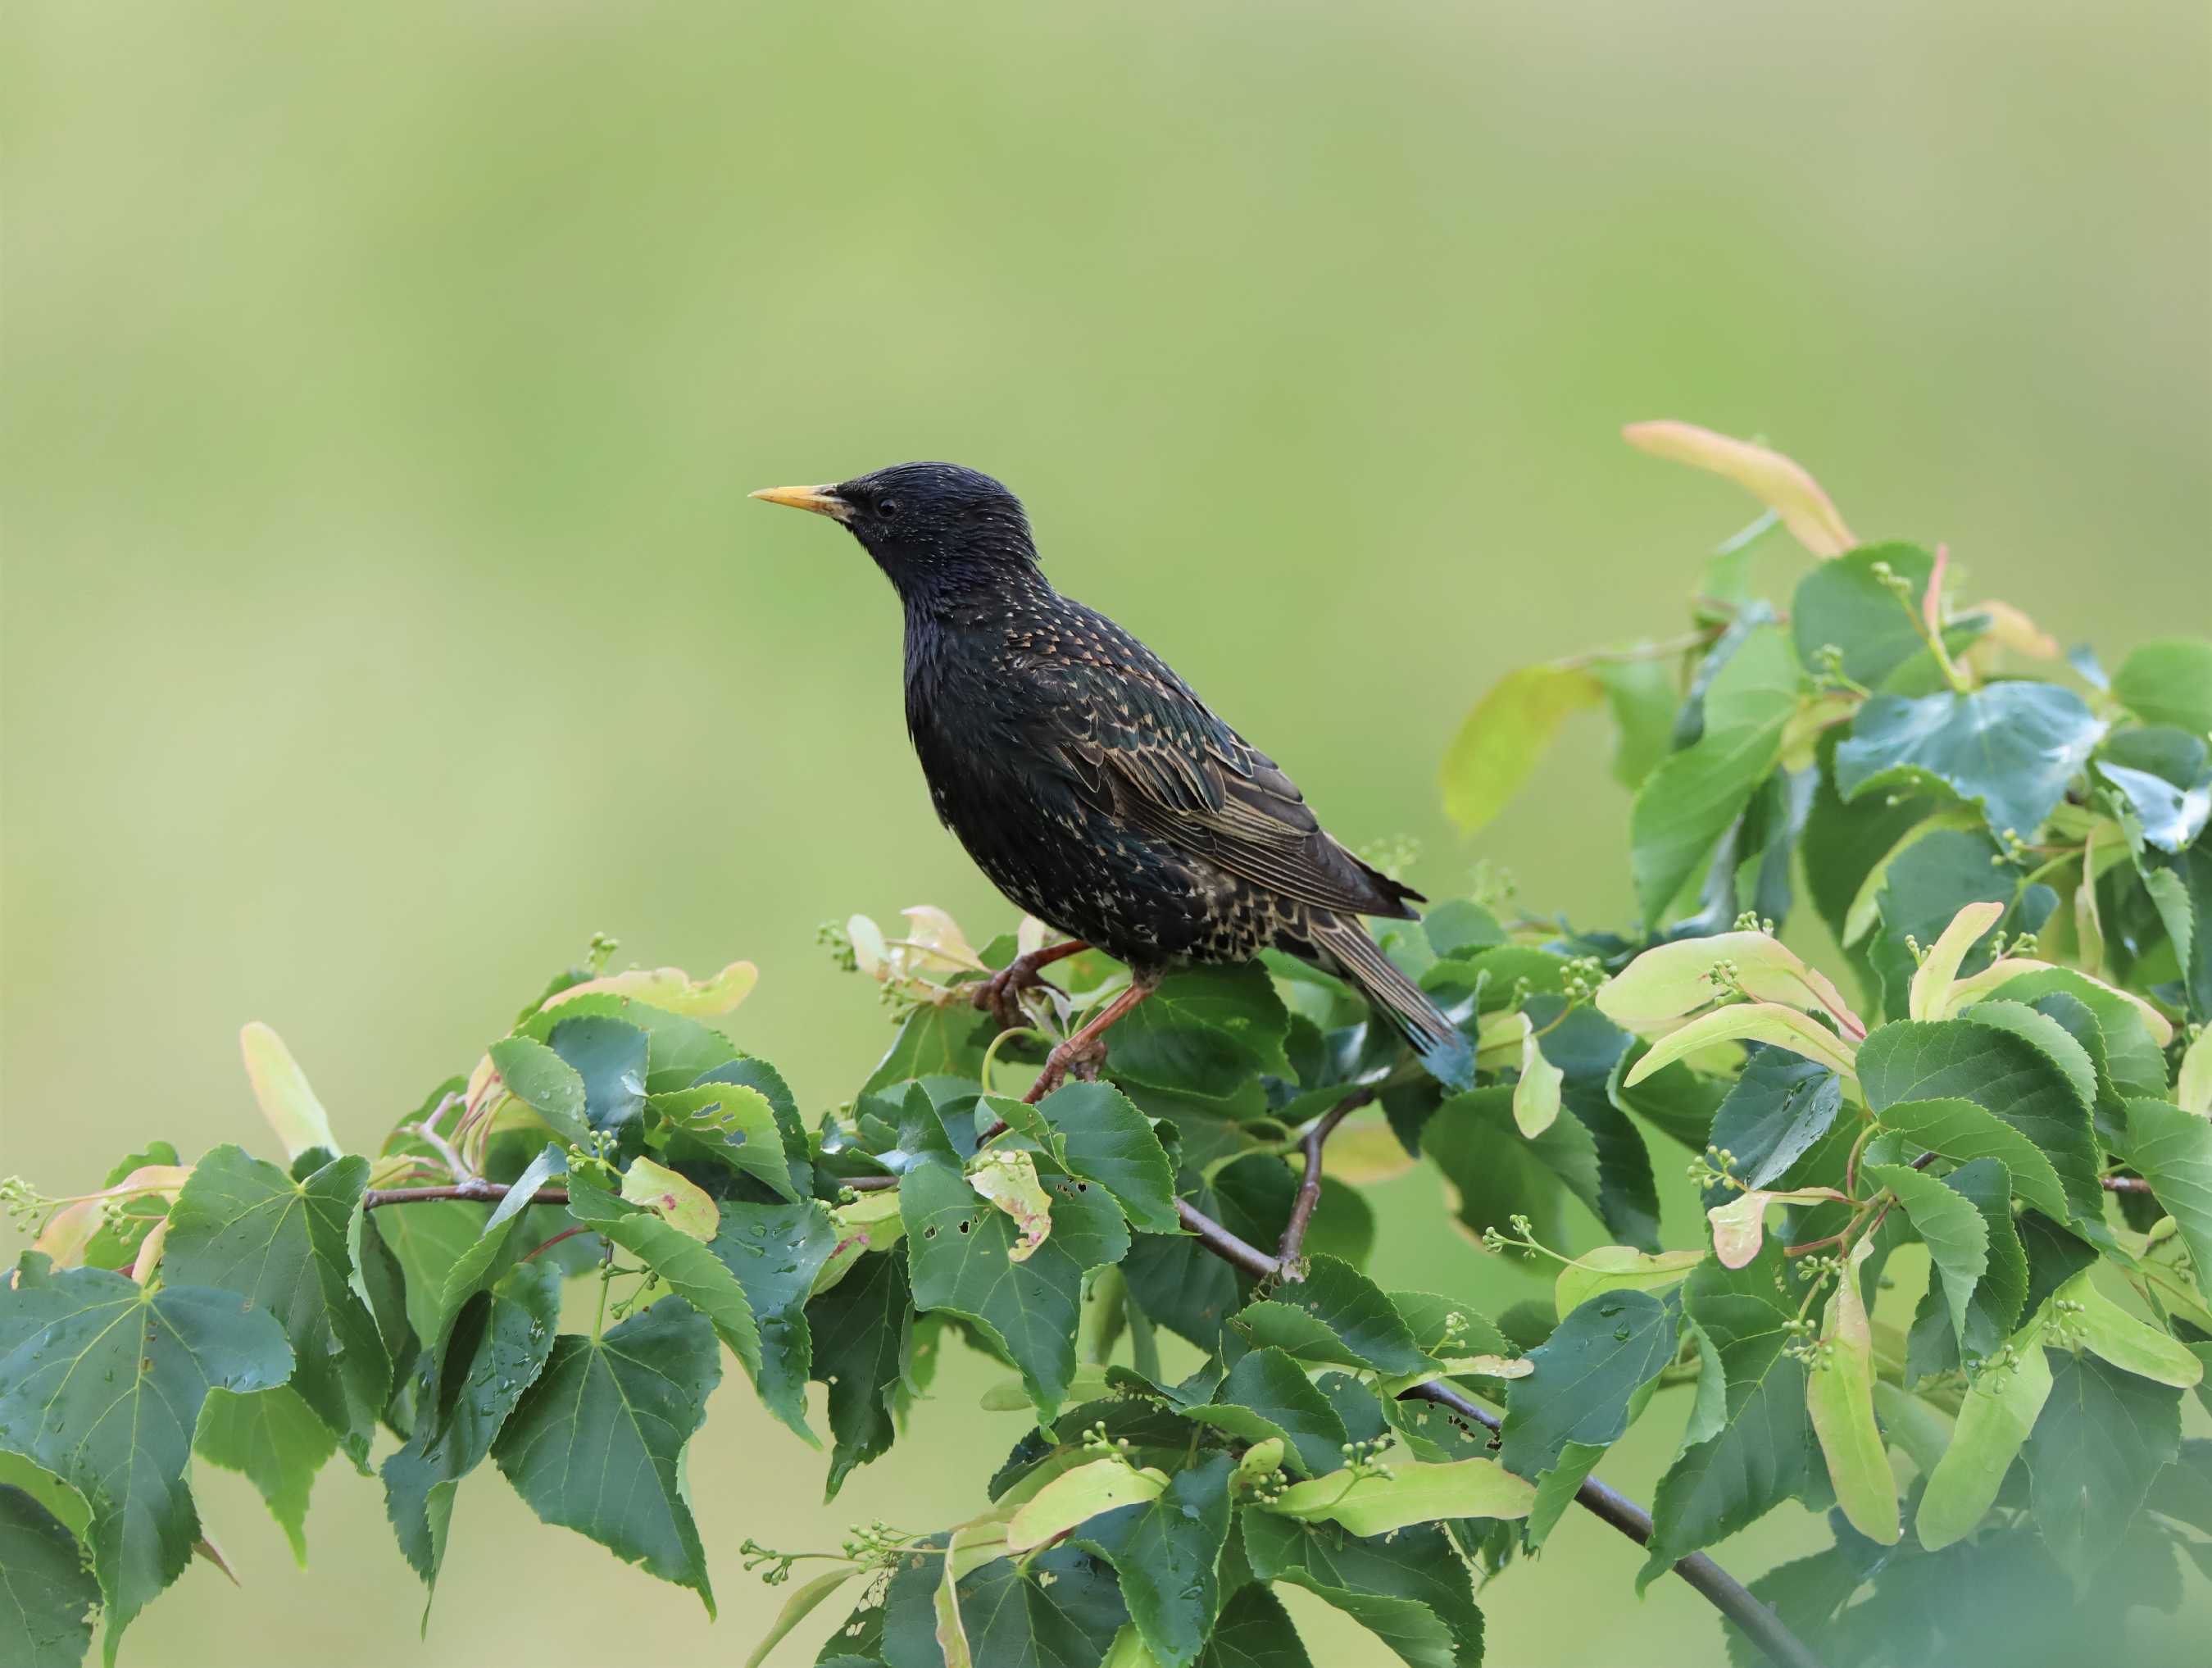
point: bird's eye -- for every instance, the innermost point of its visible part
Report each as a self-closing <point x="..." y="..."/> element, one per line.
<point x="888" y="508"/>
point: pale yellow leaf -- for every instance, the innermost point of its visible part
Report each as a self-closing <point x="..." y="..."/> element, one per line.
<point x="281" y="1090"/>
<point x="1780" y="482"/>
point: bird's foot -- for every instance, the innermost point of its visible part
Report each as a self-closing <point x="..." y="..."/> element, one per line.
<point x="1079" y="1058"/>
<point x="1001" y="995"/>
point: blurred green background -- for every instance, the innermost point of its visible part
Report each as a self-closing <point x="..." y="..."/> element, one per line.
<point x="383" y="613"/>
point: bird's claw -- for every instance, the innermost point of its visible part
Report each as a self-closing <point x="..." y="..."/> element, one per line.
<point x="1001" y="995"/>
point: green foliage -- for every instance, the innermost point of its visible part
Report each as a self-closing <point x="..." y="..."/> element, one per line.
<point x="1959" y="1183"/>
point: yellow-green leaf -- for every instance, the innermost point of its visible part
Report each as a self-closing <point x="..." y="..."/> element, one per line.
<point x="281" y="1089"/>
<point x="1378" y="1503"/>
<point x="1620" y="1267"/>
<point x="683" y="1205"/>
<point x="1536" y="1094"/>
<point x="796" y="1609"/>
<point x="1740" y="1226"/>
<point x="1839" y="1396"/>
<point x="1998" y="1412"/>
<point x="2105" y="1329"/>
<point x="1963" y="993"/>
<point x="1939" y="966"/>
<point x="671" y="989"/>
<point x="1079" y="1495"/>
<point x="1008" y="1180"/>
<point x="1784" y="485"/>
<point x="1671" y="981"/>
<point x="972" y="1546"/>
<point x="2193" y="1087"/>
<point x="1750" y="1022"/>
<point x="1504" y="735"/>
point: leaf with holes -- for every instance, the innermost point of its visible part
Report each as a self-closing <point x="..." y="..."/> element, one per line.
<point x="1026" y="1312"/>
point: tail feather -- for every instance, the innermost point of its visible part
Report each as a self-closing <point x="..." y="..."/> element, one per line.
<point x="1342" y="946"/>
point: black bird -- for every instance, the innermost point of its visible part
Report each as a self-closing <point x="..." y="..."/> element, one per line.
<point x="1091" y="784"/>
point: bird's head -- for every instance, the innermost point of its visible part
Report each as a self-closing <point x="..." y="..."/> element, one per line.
<point x="935" y="529"/>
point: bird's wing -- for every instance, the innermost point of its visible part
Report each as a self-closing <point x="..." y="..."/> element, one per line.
<point x="1144" y="747"/>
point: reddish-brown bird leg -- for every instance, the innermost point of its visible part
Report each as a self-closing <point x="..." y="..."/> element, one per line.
<point x="1084" y="1050"/>
<point x="1001" y="994"/>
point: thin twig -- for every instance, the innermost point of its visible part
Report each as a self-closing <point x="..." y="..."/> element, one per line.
<point x="478" y="1191"/>
<point x="2124" y="1183"/>
<point x="1309" y="1195"/>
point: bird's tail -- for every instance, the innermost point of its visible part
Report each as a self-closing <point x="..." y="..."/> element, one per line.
<point x="1341" y="945"/>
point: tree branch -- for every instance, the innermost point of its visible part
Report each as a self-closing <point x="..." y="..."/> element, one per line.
<point x="1720" y="1589"/>
<point x="1309" y="1196"/>
<point x="476" y="1192"/>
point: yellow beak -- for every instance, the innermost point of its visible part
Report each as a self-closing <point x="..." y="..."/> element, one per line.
<point x="821" y="500"/>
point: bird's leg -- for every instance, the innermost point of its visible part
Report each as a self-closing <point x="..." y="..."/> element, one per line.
<point x="1083" y="1049"/>
<point x="1001" y="994"/>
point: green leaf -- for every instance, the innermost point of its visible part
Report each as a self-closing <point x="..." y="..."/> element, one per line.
<point x="1957" y="1237"/>
<point x="1556" y="1488"/>
<point x="494" y="1351"/>
<point x="1381" y="1502"/>
<point x="2111" y="1333"/>
<point x="1493" y="1172"/>
<point x="544" y="1082"/>
<point x="46" y="1594"/>
<point x="278" y="1442"/>
<point x="1205" y="1031"/>
<point x="1762" y="1452"/>
<point x="2168" y="682"/>
<point x="2011" y="1076"/>
<point x="1167" y="1550"/>
<point x="1773" y="1113"/>
<point x="1093" y="1131"/>
<point x="1025" y="1313"/>
<point x="246" y="1227"/>
<point x="1408" y="1588"/>
<point x="776" y="1251"/>
<point x="597" y="1444"/>
<point x="1643" y="696"/>
<point x="1586" y="1373"/>
<point x="736" y="1124"/>
<point x="1842" y="603"/>
<point x="611" y="1057"/>
<point x="863" y="1331"/>
<point x="426" y="1240"/>
<point x="1686" y="805"/>
<point x="1505" y="732"/>
<point x="2134" y="1056"/>
<point x="1254" y="1631"/>
<point x="1994" y="1307"/>
<point x="2103" y="1436"/>
<point x="1961" y="1131"/>
<point x="1267" y="1395"/>
<point x="2172" y="1150"/>
<point x="101" y="1383"/>
<point x="934" y="1041"/>
<point x="2012" y="748"/>
<point x="693" y="1272"/>
<point x="1335" y="1314"/>
<point x="1060" y="1608"/>
<point x="678" y="1049"/>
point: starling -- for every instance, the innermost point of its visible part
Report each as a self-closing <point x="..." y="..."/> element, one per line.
<point x="1089" y="783"/>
